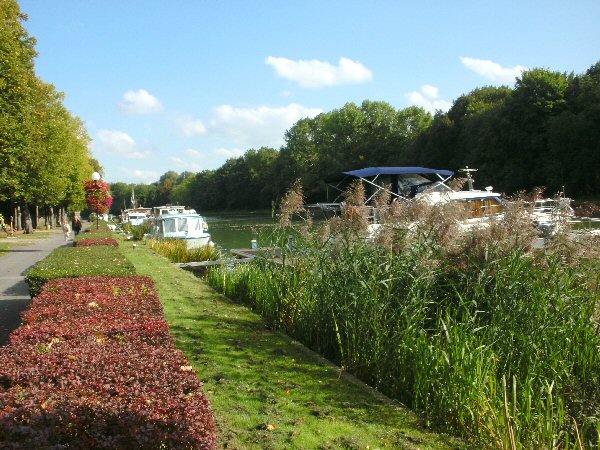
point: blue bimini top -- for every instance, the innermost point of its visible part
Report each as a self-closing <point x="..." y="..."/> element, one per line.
<point x="374" y="171"/>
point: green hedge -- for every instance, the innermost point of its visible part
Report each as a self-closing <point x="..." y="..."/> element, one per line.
<point x="70" y="262"/>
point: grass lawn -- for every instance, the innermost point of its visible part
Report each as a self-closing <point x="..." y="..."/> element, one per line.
<point x="268" y="391"/>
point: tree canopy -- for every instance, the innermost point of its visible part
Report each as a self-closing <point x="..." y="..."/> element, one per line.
<point x="44" y="154"/>
<point x="544" y="131"/>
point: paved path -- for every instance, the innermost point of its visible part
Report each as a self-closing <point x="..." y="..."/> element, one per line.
<point x="14" y="290"/>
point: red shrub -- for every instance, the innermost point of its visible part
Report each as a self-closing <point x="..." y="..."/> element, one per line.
<point x="74" y="298"/>
<point x="96" y="241"/>
<point x="94" y="367"/>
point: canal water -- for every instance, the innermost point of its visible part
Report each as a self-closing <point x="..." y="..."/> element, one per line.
<point x="231" y="230"/>
<point x="237" y="230"/>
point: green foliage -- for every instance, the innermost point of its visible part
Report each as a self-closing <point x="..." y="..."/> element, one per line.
<point x="68" y="262"/>
<point x="177" y="251"/>
<point x="137" y="232"/>
<point x="43" y="148"/>
<point x="542" y="132"/>
<point x="266" y="389"/>
<point x="146" y="195"/>
<point x="484" y="339"/>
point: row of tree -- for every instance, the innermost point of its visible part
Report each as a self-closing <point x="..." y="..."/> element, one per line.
<point x="543" y="132"/>
<point x="44" y="154"/>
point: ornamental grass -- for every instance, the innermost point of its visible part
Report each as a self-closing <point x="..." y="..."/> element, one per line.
<point x="484" y="336"/>
<point x="176" y="250"/>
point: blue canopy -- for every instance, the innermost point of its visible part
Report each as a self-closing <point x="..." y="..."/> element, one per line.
<point x="373" y="171"/>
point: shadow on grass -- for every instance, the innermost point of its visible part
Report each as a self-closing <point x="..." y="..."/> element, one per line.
<point x="286" y="381"/>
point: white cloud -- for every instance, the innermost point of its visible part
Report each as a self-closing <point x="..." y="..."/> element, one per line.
<point x="120" y="143"/>
<point x="185" y="164"/>
<point x="140" y="176"/>
<point x="177" y="160"/>
<point x="261" y="126"/>
<point x="428" y="98"/>
<point x="493" y="71"/>
<point x="430" y="91"/>
<point x="228" y="152"/>
<point x="140" y="102"/>
<point x="190" y="126"/>
<point x="193" y="153"/>
<point x="316" y="74"/>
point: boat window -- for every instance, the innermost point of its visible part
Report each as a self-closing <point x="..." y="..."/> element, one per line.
<point x="484" y="207"/>
<point x="197" y="225"/>
<point x="169" y="226"/>
<point x="182" y="224"/>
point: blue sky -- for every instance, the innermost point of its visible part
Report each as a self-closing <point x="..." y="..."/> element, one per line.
<point x="184" y="85"/>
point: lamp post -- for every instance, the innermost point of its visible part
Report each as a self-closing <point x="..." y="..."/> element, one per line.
<point x="96" y="177"/>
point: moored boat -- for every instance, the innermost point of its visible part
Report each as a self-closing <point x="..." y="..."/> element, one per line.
<point x="404" y="183"/>
<point x="190" y="227"/>
<point x="550" y="215"/>
<point x="135" y="216"/>
<point x="432" y="187"/>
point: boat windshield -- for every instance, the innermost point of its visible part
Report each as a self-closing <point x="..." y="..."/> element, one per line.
<point x="169" y="226"/>
<point x="182" y="224"/>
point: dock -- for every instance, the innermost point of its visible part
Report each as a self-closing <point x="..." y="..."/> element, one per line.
<point x="242" y="256"/>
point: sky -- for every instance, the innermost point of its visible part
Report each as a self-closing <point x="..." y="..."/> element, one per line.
<point x="184" y="85"/>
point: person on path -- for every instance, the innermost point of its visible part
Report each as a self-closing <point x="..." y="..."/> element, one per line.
<point x="76" y="225"/>
<point x="66" y="229"/>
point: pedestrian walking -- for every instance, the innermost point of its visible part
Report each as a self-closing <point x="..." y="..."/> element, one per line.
<point x="76" y="225"/>
<point x="66" y="229"/>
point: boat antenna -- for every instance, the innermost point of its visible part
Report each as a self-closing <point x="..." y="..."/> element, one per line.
<point x="469" y="177"/>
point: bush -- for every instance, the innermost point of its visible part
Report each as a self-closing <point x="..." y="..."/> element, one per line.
<point x="94" y="367"/>
<point x="69" y="262"/>
<point x="138" y="232"/>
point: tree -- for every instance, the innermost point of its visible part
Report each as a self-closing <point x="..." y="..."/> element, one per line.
<point x="17" y="84"/>
<point x="43" y="148"/>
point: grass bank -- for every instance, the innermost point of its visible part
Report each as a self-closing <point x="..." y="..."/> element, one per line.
<point x="268" y="391"/>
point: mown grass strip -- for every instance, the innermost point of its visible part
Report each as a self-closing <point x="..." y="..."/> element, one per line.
<point x="267" y="391"/>
<point x="69" y="262"/>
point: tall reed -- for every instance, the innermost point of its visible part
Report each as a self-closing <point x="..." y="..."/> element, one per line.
<point x="177" y="250"/>
<point x="484" y="337"/>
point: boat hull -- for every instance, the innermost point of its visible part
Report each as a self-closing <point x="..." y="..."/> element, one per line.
<point x="197" y="242"/>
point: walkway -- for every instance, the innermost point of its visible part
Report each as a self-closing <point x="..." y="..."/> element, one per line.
<point x="14" y="290"/>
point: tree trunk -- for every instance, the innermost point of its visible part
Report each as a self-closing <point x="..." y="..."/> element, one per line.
<point x="26" y="217"/>
<point x="52" y="224"/>
<point x="17" y="218"/>
<point x="37" y="217"/>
